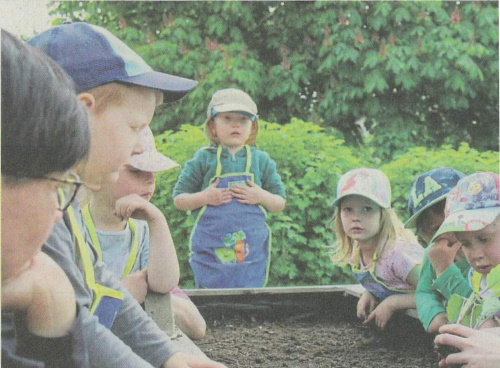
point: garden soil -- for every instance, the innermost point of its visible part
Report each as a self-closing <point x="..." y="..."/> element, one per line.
<point x="257" y="336"/>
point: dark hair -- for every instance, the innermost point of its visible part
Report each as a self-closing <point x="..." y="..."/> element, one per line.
<point x="44" y="126"/>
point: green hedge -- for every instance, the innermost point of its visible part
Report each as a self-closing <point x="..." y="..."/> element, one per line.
<point x="310" y="161"/>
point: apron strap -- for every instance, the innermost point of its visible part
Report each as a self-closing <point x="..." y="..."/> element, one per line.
<point x="218" y="169"/>
<point x="97" y="245"/>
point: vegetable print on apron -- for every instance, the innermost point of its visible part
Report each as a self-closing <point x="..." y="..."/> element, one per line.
<point x="231" y="243"/>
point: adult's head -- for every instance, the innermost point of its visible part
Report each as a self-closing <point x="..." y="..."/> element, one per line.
<point x="44" y="134"/>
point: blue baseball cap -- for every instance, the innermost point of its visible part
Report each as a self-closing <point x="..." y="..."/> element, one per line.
<point x="429" y="188"/>
<point x="93" y="56"/>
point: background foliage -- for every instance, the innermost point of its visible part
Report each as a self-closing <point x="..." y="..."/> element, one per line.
<point x="394" y="85"/>
<point x="412" y="73"/>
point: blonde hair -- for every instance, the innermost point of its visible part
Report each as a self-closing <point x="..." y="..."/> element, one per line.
<point x="213" y="139"/>
<point x="391" y="230"/>
<point x="113" y="93"/>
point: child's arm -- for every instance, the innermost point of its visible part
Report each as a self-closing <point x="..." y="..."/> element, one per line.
<point x="366" y="304"/>
<point x="384" y="311"/>
<point x="188" y="318"/>
<point x="253" y="194"/>
<point x="163" y="266"/>
<point x="210" y="196"/>
<point x="45" y="293"/>
<point x="137" y="285"/>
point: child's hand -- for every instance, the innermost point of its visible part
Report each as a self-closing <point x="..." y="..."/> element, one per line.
<point x="217" y="196"/>
<point x="44" y="291"/>
<point x="135" y="206"/>
<point x="381" y="314"/>
<point x="443" y="252"/>
<point x="248" y="195"/>
<point x="439" y="320"/>
<point x="366" y="304"/>
<point x="136" y="283"/>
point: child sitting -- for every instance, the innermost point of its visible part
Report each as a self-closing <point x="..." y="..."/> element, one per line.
<point x="444" y="267"/>
<point x="384" y="256"/>
<point x="132" y="236"/>
<point x="229" y="186"/>
<point x="472" y="216"/>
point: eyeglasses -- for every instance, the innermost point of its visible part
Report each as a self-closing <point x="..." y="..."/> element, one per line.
<point x="67" y="189"/>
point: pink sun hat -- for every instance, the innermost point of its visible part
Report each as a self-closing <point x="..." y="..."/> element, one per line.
<point x="151" y="160"/>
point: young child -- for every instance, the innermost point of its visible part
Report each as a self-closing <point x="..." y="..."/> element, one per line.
<point x="472" y="216"/>
<point x="228" y="186"/>
<point x="120" y="92"/>
<point x="444" y="268"/>
<point x="132" y="236"/>
<point x="384" y="256"/>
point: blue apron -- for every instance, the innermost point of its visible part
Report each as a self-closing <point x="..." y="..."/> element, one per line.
<point x="231" y="243"/>
<point x="369" y="279"/>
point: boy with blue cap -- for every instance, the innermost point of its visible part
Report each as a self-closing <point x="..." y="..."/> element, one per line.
<point x="120" y="92"/>
<point x="443" y="271"/>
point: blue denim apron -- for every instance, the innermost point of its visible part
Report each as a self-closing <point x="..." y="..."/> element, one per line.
<point x="231" y="243"/>
<point x="369" y="280"/>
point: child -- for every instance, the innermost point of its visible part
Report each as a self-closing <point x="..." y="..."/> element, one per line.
<point x="228" y="185"/>
<point x="444" y="267"/>
<point x="120" y="92"/>
<point x="39" y="111"/>
<point x="472" y="216"/>
<point x="384" y="256"/>
<point x="132" y="236"/>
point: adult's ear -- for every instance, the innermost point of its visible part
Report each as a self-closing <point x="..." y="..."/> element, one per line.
<point x="87" y="99"/>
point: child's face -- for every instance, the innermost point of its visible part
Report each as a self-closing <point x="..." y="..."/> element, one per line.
<point x="482" y="247"/>
<point x="115" y="135"/>
<point x="360" y="218"/>
<point x="231" y="129"/>
<point x="429" y="223"/>
<point x="134" y="181"/>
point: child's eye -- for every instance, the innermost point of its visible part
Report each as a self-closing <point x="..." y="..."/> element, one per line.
<point x="482" y="239"/>
<point x="368" y="209"/>
<point x="347" y="209"/>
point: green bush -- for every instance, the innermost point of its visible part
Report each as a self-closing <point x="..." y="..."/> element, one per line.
<point x="310" y="160"/>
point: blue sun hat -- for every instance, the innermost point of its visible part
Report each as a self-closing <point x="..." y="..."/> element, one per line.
<point x="93" y="56"/>
<point x="429" y="188"/>
<point x="473" y="204"/>
<point x="370" y="183"/>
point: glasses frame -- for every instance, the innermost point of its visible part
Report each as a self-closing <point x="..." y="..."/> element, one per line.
<point x="74" y="180"/>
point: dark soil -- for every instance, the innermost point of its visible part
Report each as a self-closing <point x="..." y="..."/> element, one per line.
<point x="292" y="335"/>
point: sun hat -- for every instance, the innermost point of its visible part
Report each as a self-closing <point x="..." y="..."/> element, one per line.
<point x="429" y="188"/>
<point x="232" y="100"/>
<point x="93" y="56"/>
<point x="473" y="204"/>
<point x="151" y="160"/>
<point x="370" y="183"/>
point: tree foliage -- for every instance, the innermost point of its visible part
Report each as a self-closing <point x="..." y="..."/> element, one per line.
<point x="404" y="73"/>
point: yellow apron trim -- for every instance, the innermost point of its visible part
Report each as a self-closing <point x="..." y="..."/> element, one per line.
<point x="97" y="245"/>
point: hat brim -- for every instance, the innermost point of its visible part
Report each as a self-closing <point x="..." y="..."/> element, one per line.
<point x="468" y="220"/>
<point x="373" y="199"/>
<point x="172" y="86"/>
<point x="411" y="223"/>
<point x="239" y="108"/>
<point x="152" y="162"/>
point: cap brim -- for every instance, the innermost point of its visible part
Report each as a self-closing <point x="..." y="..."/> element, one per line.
<point x="240" y="108"/>
<point x="411" y="223"/>
<point x="468" y="220"/>
<point x="172" y="86"/>
<point x="152" y="162"/>
<point x="336" y="201"/>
